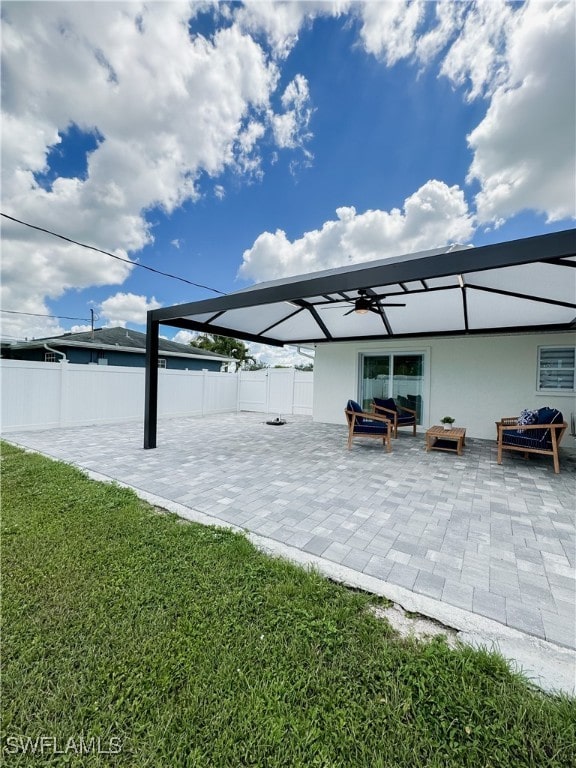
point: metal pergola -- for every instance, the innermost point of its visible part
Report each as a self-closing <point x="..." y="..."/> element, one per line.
<point x="512" y="287"/>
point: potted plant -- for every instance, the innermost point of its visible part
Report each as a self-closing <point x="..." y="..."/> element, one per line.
<point x="447" y="421"/>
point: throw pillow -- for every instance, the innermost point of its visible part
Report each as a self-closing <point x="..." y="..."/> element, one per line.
<point x="527" y="417"/>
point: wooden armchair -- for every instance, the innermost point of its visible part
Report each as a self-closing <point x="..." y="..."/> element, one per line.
<point x="364" y="424"/>
<point x="399" y="415"/>
<point x="543" y="436"/>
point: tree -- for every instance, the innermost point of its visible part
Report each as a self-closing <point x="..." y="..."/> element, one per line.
<point x="224" y="345"/>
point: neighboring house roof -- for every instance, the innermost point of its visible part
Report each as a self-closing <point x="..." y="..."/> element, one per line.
<point x="516" y="286"/>
<point x="120" y="340"/>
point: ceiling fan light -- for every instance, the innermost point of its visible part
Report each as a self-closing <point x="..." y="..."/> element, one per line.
<point x="362" y="305"/>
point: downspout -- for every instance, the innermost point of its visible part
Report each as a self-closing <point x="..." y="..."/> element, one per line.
<point x="305" y="354"/>
<point x="56" y="351"/>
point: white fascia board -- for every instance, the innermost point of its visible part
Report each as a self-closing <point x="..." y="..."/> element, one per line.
<point x="118" y="348"/>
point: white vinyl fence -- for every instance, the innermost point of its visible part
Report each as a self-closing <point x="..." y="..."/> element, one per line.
<point x="37" y="395"/>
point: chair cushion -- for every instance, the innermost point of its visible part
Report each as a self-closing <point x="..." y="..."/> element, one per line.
<point x="385" y="403"/>
<point x="368" y="427"/>
<point x="407" y="418"/>
<point x="530" y="438"/>
<point x="352" y="405"/>
<point x="548" y="415"/>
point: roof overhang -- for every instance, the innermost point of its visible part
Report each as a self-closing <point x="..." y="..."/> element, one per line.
<point x="95" y="345"/>
<point x="516" y="286"/>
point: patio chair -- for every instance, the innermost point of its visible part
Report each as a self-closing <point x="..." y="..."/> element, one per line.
<point x="399" y="415"/>
<point x="532" y="432"/>
<point x="364" y="424"/>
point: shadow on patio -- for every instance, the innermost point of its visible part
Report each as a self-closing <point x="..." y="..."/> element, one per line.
<point x="496" y="541"/>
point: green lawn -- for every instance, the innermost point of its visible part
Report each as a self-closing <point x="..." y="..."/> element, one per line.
<point x="180" y="645"/>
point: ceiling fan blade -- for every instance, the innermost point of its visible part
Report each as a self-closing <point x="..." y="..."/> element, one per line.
<point x="349" y="312"/>
<point x="392" y="305"/>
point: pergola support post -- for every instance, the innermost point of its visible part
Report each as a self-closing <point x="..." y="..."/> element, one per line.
<point x="151" y="390"/>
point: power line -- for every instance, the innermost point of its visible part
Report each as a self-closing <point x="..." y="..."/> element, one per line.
<point x="112" y="255"/>
<point x="37" y="314"/>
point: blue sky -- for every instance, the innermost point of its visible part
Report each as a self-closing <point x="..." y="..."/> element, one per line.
<point x="235" y="143"/>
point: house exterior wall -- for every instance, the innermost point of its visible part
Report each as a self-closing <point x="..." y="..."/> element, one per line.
<point x="85" y="355"/>
<point x="475" y="379"/>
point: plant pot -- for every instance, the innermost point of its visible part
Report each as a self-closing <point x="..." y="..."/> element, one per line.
<point x="447" y="426"/>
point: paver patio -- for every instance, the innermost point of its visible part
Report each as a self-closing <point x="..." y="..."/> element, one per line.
<point x="498" y="541"/>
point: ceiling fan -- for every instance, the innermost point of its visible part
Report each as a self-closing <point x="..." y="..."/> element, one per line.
<point x="368" y="301"/>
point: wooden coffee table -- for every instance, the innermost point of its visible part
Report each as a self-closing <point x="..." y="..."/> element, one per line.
<point x="440" y="439"/>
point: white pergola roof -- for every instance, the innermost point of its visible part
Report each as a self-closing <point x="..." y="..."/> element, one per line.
<point x="516" y="286"/>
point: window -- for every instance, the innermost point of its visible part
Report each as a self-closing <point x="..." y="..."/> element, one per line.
<point x="161" y="362"/>
<point x="556" y="368"/>
<point x="50" y="357"/>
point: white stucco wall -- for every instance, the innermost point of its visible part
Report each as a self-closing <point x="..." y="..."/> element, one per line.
<point x="476" y="379"/>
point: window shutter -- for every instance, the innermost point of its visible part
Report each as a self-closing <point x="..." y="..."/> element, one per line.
<point x="556" y="368"/>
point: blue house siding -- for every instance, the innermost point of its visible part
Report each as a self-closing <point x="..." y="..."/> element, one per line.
<point x="130" y="359"/>
<point x="186" y="364"/>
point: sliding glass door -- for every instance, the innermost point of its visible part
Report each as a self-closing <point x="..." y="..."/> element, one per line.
<point x="399" y="375"/>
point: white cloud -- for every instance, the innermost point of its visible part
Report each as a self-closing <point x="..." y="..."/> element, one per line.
<point x="390" y="29"/>
<point x="468" y="40"/>
<point x="520" y="56"/>
<point x="184" y="337"/>
<point x="433" y="216"/>
<point x="281" y="22"/>
<point x="125" y="308"/>
<point x="166" y="107"/>
<point x="525" y="148"/>
<point x="291" y="127"/>
<point x="477" y="57"/>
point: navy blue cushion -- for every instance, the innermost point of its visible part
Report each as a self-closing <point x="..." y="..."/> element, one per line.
<point x="545" y="416"/>
<point x="548" y="416"/>
<point x="385" y="403"/>
<point x="527" y="438"/>
<point x="370" y="428"/>
<point x="407" y="418"/>
<point x="354" y="406"/>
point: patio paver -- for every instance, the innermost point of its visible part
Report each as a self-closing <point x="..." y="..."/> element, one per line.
<point x="495" y="540"/>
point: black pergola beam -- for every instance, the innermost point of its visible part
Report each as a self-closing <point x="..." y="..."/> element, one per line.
<point x="151" y="386"/>
<point x="501" y="329"/>
<point x="524" y="296"/>
<point x="314" y="312"/>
